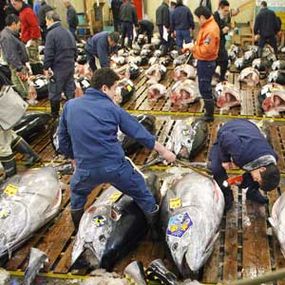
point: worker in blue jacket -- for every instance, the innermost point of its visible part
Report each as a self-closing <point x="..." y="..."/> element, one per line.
<point x="182" y="23"/>
<point x="88" y="135"/>
<point x="241" y="144"/>
<point x="101" y="46"/>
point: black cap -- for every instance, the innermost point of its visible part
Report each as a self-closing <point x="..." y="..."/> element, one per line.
<point x="270" y="177"/>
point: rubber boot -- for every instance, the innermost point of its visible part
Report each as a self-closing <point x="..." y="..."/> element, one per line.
<point x="157" y="271"/>
<point x="152" y="220"/>
<point x="135" y="272"/>
<point x="209" y="110"/>
<point x="76" y="216"/>
<point x="55" y="107"/>
<point x="254" y="195"/>
<point x="23" y="147"/>
<point x="229" y="198"/>
<point x="9" y="165"/>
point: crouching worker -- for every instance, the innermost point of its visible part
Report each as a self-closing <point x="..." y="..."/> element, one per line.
<point x="240" y="143"/>
<point x="91" y="140"/>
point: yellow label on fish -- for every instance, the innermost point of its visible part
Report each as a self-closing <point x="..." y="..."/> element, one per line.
<point x="115" y="196"/>
<point x="175" y="203"/>
<point x="129" y="88"/>
<point x="11" y="190"/>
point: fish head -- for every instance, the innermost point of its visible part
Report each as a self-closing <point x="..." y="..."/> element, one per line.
<point x="93" y="234"/>
<point x="227" y="95"/>
<point x="156" y="91"/>
<point x="183" y="138"/>
<point x="125" y="89"/>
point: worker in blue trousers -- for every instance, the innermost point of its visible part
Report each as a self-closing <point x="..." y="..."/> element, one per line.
<point x="88" y="135"/>
<point x="241" y="144"/>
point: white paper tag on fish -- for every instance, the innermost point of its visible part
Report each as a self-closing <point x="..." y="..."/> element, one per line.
<point x="11" y="190"/>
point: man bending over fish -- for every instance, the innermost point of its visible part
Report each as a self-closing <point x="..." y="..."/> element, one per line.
<point x="88" y="134"/>
<point x="241" y="144"/>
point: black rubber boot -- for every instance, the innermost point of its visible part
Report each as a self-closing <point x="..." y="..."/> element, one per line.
<point x="152" y="220"/>
<point x="9" y="165"/>
<point x="24" y="148"/>
<point x="55" y="107"/>
<point x="158" y="272"/>
<point x="229" y="198"/>
<point x="209" y="110"/>
<point x="254" y="195"/>
<point x="76" y="216"/>
<point x="135" y="272"/>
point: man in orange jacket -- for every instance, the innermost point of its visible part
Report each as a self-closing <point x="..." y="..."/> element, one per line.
<point x="206" y="50"/>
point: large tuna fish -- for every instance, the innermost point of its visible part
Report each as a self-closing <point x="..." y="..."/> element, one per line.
<point x="124" y="92"/>
<point x="184" y="92"/>
<point x="261" y="64"/>
<point x="40" y="83"/>
<point x="129" y="71"/>
<point x="108" y="230"/>
<point x="28" y="201"/>
<point x="277" y="76"/>
<point x="278" y="65"/>
<point x="233" y="52"/>
<point x="32" y="125"/>
<point x="227" y="95"/>
<point x="250" y="76"/>
<point x="155" y="92"/>
<point x="188" y="138"/>
<point x="277" y="220"/>
<point x="155" y="73"/>
<point x="185" y="71"/>
<point x="272" y="98"/>
<point x="191" y="212"/>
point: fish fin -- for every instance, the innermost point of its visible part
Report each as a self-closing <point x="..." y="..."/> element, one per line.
<point x="272" y="222"/>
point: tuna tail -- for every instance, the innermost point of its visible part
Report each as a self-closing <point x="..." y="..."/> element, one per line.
<point x="36" y="262"/>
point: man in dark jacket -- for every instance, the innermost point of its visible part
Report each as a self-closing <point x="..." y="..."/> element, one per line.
<point x="128" y="18"/>
<point x="101" y="46"/>
<point x="44" y="8"/>
<point x="221" y="17"/>
<point x="15" y="54"/>
<point x="163" y="24"/>
<point x="60" y="53"/>
<point x="116" y="6"/>
<point x="240" y="143"/>
<point x="266" y="27"/>
<point x="71" y="17"/>
<point x="182" y="23"/>
<point x="145" y="27"/>
<point x="91" y="140"/>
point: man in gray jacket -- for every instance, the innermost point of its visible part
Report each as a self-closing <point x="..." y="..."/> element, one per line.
<point x="15" y="54"/>
<point x="60" y="53"/>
